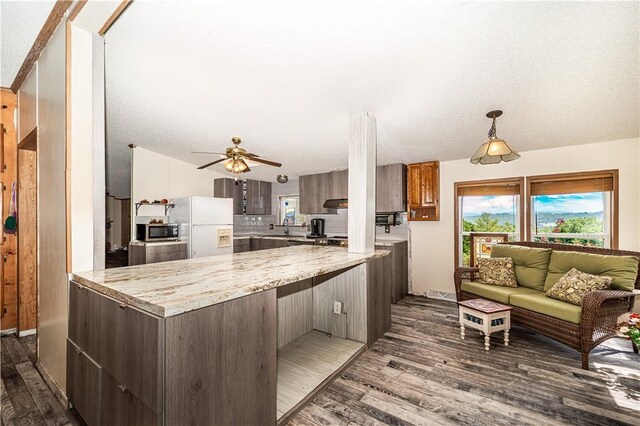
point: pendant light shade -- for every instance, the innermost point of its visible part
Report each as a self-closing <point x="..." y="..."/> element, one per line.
<point x="495" y="149"/>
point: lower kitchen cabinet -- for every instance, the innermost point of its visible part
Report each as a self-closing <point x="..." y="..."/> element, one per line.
<point x="84" y="378"/>
<point x="399" y="265"/>
<point x="121" y="407"/>
<point x="143" y="253"/>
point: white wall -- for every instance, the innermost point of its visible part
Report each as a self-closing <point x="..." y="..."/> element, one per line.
<point x="155" y="176"/>
<point x="432" y="243"/>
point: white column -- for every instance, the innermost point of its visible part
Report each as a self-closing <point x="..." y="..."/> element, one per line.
<point x="362" y="182"/>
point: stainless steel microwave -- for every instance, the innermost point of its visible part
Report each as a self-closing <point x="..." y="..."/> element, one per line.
<point x="156" y="232"/>
<point x="387" y="219"/>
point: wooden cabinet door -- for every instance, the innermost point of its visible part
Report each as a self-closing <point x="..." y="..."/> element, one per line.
<point x="337" y="185"/>
<point x="253" y="197"/>
<point x="265" y="198"/>
<point x="83" y="384"/>
<point x="121" y="407"/>
<point x="429" y="184"/>
<point x="414" y="185"/>
<point x="391" y="188"/>
<point x="312" y="193"/>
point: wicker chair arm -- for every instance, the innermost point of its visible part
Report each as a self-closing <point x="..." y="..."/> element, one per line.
<point x="600" y="312"/>
<point x="463" y="273"/>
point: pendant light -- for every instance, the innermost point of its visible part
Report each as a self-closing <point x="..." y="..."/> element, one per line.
<point x="495" y="149"/>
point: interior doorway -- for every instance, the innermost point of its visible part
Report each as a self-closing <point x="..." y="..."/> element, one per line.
<point x="27" y="234"/>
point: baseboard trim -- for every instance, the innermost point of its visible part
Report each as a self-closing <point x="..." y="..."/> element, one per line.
<point x="8" y="331"/>
<point x="25" y="333"/>
<point x="57" y="392"/>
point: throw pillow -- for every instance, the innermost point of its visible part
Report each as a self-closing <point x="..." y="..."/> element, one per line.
<point x="497" y="271"/>
<point x="575" y="284"/>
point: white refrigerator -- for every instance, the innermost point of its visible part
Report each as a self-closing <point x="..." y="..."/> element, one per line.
<point x="205" y="224"/>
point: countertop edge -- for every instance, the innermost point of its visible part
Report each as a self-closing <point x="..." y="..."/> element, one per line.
<point x="169" y="311"/>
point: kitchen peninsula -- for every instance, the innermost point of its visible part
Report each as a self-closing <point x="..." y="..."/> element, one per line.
<point x="243" y="338"/>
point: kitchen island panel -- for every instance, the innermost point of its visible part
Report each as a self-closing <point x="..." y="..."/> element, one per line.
<point x="221" y="363"/>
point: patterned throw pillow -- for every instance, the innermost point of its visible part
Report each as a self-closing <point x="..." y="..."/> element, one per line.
<point x="575" y="284"/>
<point x="497" y="271"/>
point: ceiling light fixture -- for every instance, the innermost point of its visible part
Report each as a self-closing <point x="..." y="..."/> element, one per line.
<point x="282" y="178"/>
<point x="495" y="149"/>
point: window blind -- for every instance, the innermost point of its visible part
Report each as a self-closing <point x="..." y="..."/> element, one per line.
<point x="572" y="185"/>
<point x="480" y="189"/>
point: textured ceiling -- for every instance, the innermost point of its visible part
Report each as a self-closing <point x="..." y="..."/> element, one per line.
<point x="20" y="23"/>
<point x="285" y="75"/>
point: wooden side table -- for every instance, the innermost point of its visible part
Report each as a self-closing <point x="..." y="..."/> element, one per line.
<point x="486" y="316"/>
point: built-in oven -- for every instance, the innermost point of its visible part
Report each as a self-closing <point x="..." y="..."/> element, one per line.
<point x="157" y="232"/>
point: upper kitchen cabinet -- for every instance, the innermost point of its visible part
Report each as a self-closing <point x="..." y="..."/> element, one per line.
<point x="258" y="197"/>
<point x="249" y="196"/>
<point x="337" y="185"/>
<point x="423" y="188"/>
<point x="227" y="188"/>
<point x="313" y="193"/>
<point x="391" y="188"/>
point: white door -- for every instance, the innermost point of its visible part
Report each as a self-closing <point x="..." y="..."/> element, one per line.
<point x="204" y="241"/>
<point x="212" y="211"/>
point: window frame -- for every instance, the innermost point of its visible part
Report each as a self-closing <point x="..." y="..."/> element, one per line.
<point x="519" y="180"/>
<point x="281" y="211"/>
<point x="575" y="176"/>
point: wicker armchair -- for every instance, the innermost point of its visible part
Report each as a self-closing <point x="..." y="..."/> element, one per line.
<point x="600" y="309"/>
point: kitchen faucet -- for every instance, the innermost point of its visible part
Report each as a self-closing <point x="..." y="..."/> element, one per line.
<point x="285" y="223"/>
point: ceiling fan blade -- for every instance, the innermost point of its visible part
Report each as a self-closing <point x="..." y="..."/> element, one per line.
<point x="208" y="152"/>
<point x="211" y="164"/>
<point x="248" y="169"/>
<point x="263" y="161"/>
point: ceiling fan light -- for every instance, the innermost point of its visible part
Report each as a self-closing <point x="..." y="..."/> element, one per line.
<point x="229" y="164"/>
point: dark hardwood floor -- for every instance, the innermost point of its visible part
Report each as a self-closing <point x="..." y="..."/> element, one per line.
<point x="419" y="373"/>
<point x="422" y="373"/>
<point x="116" y="259"/>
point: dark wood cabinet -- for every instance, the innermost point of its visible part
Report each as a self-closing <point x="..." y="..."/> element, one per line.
<point x="423" y="189"/>
<point x="84" y="376"/>
<point x="313" y="193"/>
<point x="267" y="243"/>
<point x="391" y="188"/>
<point x="391" y="192"/>
<point x="141" y="253"/>
<point x="229" y="188"/>
<point x="399" y="265"/>
<point x="121" y="407"/>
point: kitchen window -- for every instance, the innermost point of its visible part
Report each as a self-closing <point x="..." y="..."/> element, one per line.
<point x="290" y="209"/>
<point x="575" y="208"/>
<point x="488" y="206"/>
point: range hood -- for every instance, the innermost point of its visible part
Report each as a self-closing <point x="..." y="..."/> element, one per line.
<point x="336" y="203"/>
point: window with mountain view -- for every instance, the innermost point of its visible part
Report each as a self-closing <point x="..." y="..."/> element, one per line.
<point x="574" y="209"/>
<point x="492" y="207"/>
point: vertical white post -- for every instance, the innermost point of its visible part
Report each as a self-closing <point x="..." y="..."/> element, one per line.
<point x="362" y="182"/>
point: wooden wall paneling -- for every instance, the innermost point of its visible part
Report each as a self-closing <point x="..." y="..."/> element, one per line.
<point x="349" y="287"/>
<point x="378" y="303"/>
<point x="125" y="221"/>
<point x="225" y="388"/>
<point x="8" y="174"/>
<point x="27" y="238"/>
<point x="295" y="311"/>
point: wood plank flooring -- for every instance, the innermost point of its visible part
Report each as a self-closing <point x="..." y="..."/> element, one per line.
<point x="25" y="399"/>
<point x="422" y="373"/>
<point x="419" y="373"/>
<point x="306" y="362"/>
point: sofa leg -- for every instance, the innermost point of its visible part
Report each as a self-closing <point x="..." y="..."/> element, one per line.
<point x="585" y="361"/>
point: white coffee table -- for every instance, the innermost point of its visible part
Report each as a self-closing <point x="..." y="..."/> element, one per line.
<point x="486" y="316"/>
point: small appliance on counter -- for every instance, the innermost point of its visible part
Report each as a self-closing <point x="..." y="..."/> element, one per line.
<point x="317" y="229"/>
<point x="205" y="224"/>
<point x="388" y="219"/>
<point x="336" y="240"/>
<point x="149" y="232"/>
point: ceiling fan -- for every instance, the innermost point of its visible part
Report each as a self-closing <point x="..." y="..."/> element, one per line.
<point x="235" y="158"/>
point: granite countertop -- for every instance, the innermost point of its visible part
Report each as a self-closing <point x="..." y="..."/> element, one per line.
<point x="155" y="243"/>
<point x="171" y="288"/>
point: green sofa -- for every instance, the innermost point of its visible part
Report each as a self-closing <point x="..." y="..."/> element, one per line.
<point x="538" y="266"/>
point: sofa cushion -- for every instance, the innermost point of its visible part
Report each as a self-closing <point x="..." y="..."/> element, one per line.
<point x="531" y="264"/>
<point x="497" y="271"/>
<point x="575" y="284"/>
<point x="540" y="303"/>
<point x="494" y="292"/>
<point x="623" y="269"/>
